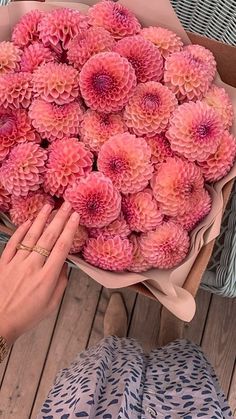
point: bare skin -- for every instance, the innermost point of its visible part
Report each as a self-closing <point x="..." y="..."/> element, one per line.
<point x="31" y="286"/>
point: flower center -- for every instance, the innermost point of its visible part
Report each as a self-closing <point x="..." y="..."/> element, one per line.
<point x="135" y="63"/>
<point x="105" y="119"/>
<point x="117" y="165"/>
<point x="166" y="248"/>
<point x="102" y="83"/>
<point x="196" y="59"/>
<point x="203" y="131"/>
<point x="185" y="190"/>
<point x="60" y="112"/>
<point x="93" y="204"/>
<point x="151" y="102"/>
<point x="119" y="12"/>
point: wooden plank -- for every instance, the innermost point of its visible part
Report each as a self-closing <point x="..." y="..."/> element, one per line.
<point x="219" y="338"/>
<point x="23" y="371"/>
<point x="194" y="330"/>
<point x="232" y="392"/>
<point x="97" y="331"/>
<point x="145" y="322"/>
<point x="3" y="367"/>
<point x="71" y="332"/>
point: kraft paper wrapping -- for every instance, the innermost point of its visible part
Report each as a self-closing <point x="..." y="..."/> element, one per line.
<point x="166" y="286"/>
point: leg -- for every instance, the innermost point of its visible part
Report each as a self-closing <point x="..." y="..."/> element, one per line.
<point x="171" y="327"/>
<point x="116" y="319"/>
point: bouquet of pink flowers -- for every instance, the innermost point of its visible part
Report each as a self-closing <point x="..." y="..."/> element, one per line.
<point x="124" y="122"/>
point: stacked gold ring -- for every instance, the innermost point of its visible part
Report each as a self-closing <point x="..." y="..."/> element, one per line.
<point x="22" y="246"/>
<point x="38" y="249"/>
<point x="41" y="251"/>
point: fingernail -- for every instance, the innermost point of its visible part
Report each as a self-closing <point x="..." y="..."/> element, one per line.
<point x="75" y="216"/>
<point x="66" y="206"/>
<point x="46" y="208"/>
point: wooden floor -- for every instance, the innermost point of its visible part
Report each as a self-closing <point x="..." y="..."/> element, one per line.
<point x="28" y="373"/>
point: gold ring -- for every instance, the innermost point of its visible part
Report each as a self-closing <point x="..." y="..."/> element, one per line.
<point x="21" y="246"/>
<point x="41" y="251"/>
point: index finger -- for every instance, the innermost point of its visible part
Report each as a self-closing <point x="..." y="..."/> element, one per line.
<point x="51" y="234"/>
<point x="10" y="249"/>
<point x="60" y="251"/>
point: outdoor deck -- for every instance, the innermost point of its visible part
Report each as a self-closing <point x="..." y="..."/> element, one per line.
<point x="28" y="373"/>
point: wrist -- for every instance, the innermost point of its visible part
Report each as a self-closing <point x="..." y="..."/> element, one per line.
<point x="7" y="332"/>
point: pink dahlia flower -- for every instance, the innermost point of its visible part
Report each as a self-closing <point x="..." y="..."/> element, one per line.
<point x="119" y="227"/>
<point x="34" y="55"/>
<point x="56" y="121"/>
<point x="10" y="56"/>
<point x="112" y="254"/>
<point x="58" y="83"/>
<point x="68" y="161"/>
<point x="176" y="185"/>
<point x="197" y="212"/>
<point x="149" y="109"/>
<point x="5" y="199"/>
<point x="143" y="56"/>
<point x="87" y="43"/>
<point x="97" y="128"/>
<point x="186" y="77"/>
<point x="139" y="263"/>
<point x="114" y="17"/>
<point x="96" y="200"/>
<point x="15" y="90"/>
<point x="218" y="164"/>
<point x="203" y="56"/>
<point x="141" y="211"/>
<point x="23" y="171"/>
<point x="26" y="31"/>
<point x="9" y="121"/>
<point x="195" y="130"/>
<point x="219" y="100"/>
<point x="25" y="208"/>
<point x="60" y="26"/>
<point x="15" y="127"/>
<point x="160" y="148"/>
<point x="79" y="241"/>
<point x="107" y="81"/>
<point x="125" y="159"/>
<point x="165" y="247"/>
<point x="165" y="40"/>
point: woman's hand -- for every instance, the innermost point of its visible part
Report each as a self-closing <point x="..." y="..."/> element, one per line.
<point x="31" y="285"/>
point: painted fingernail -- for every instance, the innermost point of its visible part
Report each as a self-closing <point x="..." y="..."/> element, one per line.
<point x="66" y="206"/>
<point x="46" y="208"/>
<point x="75" y="216"/>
